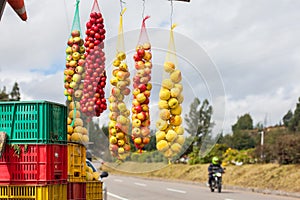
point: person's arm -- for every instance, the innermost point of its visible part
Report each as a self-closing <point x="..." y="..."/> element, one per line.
<point x="210" y="169"/>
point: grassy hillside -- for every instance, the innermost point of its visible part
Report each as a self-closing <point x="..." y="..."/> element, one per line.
<point x="265" y="176"/>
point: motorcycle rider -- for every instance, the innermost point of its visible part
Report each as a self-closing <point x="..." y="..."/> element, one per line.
<point x="213" y="167"/>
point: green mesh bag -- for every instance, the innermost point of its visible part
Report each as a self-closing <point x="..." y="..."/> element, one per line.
<point x="76" y="19"/>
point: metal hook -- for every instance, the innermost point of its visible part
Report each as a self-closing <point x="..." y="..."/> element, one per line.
<point x="121" y="6"/>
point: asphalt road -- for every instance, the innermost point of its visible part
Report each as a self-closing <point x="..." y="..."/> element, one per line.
<point x="132" y="188"/>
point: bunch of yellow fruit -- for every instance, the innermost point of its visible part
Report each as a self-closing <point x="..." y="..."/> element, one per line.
<point x="91" y="175"/>
<point x="169" y="135"/>
<point x="76" y="130"/>
<point x="119" y="113"/>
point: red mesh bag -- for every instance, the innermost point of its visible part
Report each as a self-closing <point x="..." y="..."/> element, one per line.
<point x="93" y="101"/>
<point x="141" y="90"/>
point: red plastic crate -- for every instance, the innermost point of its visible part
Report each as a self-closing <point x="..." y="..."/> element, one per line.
<point x="36" y="164"/>
<point x="76" y="191"/>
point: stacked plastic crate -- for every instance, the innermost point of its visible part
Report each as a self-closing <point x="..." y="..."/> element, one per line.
<point x="76" y="171"/>
<point x="34" y="162"/>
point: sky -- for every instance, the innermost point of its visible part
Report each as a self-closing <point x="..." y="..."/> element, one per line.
<point x="243" y="55"/>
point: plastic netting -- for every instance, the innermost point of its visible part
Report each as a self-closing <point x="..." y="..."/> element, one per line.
<point x="169" y="135"/>
<point x="143" y="38"/>
<point x="120" y="42"/>
<point x="171" y="54"/>
<point x="76" y="18"/>
<point x="119" y="115"/>
<point x="96" y="7"/>
<point x="141" y="90"/>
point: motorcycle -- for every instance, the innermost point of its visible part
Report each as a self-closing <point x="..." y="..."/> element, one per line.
<point x="216" y="182"/>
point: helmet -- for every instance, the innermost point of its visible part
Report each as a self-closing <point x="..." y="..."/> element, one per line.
<point x="215" y="160"/>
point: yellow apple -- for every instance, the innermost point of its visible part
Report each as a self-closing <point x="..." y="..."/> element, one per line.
<point x="176" y="120"/>
<point x="176" y="76"/>
<point x="167" y="83"/>
<point x="121" y="150"/>
<point x="175" y="92"/>
<point x="171" y="135"/>
<point x="113" y="140"/>
<point x="177" y="110"/>
<point x="162" y="145"/>
<point x="147" y="56"/>
<point x="116" y="63"/>
<point x="112" y="124"/>
<point x="121" y="56"/>
<point x="164" y="94"/>
<point x="163" y="104"/>
<point x="120" y="135"/>
<point x="121" y="142"/>
<point x="176" y="147"/>
<point x="173" y="103"/>
<point x="179" y="86"/>
<point x="138" y="140"/>
<point x="168" y="153"/>
<point x="169" y="67"/>
<point x="161" y="124"/>
<point x="136" y="132"/>
<point x="147" y="46"/>
<point x="123" y="66"/>
<point x="160" y="135"/>
<point x="136" y="123"/>
<point x="179" y="130"/>
<point x="165" y="114"/>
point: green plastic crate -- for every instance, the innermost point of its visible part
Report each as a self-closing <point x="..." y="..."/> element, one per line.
<point x="31" y="122"/>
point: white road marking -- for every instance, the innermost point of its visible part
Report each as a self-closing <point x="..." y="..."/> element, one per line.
<point x="118" y="180"/>
<point x="116" y="196"/>
<point x="228" y="199"/>
<point x="141" y="184"/>
<point x="174" y="190"/>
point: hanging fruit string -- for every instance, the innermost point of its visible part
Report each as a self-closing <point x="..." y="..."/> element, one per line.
<point x="119" y="113"/>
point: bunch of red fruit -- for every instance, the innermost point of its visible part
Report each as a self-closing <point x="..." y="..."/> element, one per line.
<point x="141" y="94"/>
<point x="93" y="101"/>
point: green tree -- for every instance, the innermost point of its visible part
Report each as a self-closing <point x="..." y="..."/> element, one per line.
<point x="241" y="138"/>
<point x="199" y="122"/>
<point x="15" y="93"/>
<point x="151" y="146"/>
<point x="294" y="122"/>
<point x="3" y="95"/>
<point x="287" y="118"/>
<point x="244" y="122"/>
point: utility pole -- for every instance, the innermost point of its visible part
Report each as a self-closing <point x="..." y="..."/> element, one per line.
<point x="262" y="145"/>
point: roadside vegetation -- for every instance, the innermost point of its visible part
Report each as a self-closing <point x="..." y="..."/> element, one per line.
<point x="285" y="178"/>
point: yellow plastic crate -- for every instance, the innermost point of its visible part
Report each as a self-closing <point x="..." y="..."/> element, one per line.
<point x="26" y="192"/>
<point x="94" y="190"/>
<point x="76" y="162"/>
